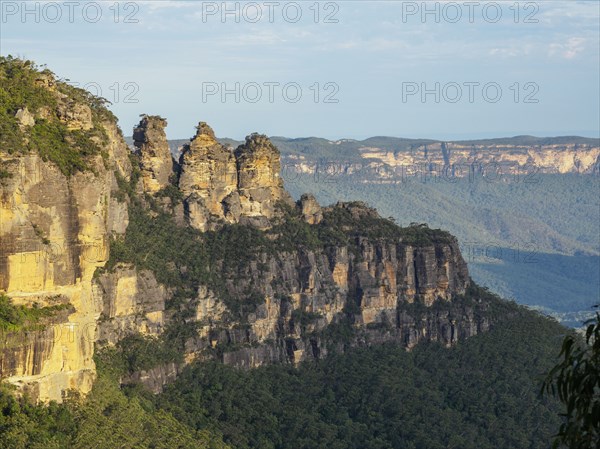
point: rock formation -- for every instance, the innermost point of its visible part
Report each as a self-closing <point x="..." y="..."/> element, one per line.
<point x="208" y="178"/>
<point x="233" y="187"/>
<point x="55" y="232"/>
<point x="311" y="210"/>
<point x="516" y="162"/>
<point x="25" y="118"/>
<point x="156" y="162"/>
<point x="260" y="184"/>
<point x="306" y="291"/>
<point x="132" y="301"/>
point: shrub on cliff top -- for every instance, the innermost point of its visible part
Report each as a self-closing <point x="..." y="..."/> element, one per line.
<point x="23" y="84"/>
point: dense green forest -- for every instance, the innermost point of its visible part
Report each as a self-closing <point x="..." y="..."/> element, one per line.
<point x="482" y="393"/>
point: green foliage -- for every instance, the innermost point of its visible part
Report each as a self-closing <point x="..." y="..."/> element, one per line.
<point x="22" y="86"/>
<point x="576" y="382"/>
<point x="21" y="318"/>
<point x="293" y="233"/>
<point x="481" y="394"/>
<point x="127" y="188"/>
<point x="172" y="192"/>
<point x="5" y="174"/>
<point x="175" y="254"/>
<point x="368" y="224"/>
<point x="67" y="149"/>
<point x="136" y="353"/>
<point x="107" y="419"/>
<point x="26" y="426"/>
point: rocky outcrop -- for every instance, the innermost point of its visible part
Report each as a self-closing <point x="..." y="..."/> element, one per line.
<point x="286" y="302"/>
<point x="75" y="115"/>
<point x="156" y="162"/>
<point x="155" y="378"/>
<point x="260" y="185"/>
<point x="208" y="180"/>
<point x="310" y="209"/>
<point x="25" y="118"/>
<point x="449" y="161"/>
<point x="492" y="160"/>
<point x="232" y="187"/>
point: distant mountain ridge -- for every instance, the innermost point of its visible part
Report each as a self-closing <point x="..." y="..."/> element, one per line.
<point x="389" y="159"/>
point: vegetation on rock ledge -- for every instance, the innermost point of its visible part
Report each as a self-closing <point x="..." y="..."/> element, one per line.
<point x="25" y="86"/>
<point x="15" y="318"/>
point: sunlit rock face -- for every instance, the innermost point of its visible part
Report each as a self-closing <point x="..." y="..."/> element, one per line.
<point x="54" y="234"/>
<point x="490" y="160"/>
<point x="307" y="290"/>
<point x="260" y="185"/>
<point x="207" y="179"/>
<point x="156" y="162"/>
<point x="219" y="185"/>
<point x="133" y="302"/>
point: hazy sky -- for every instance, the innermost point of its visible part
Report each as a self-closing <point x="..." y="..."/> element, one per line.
<point x="342" y="69"/>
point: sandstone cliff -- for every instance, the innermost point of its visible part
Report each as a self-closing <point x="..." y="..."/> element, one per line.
<point x="54" y="233"/>
<point x="365" y="284"/>
<point x="490" y="160"/>
<point x="445" y="160"/>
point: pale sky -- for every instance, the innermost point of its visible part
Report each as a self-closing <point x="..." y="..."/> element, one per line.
<point x="517" y="68"/>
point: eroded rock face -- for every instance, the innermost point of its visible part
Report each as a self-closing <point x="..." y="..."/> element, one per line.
<point x="279" y="308"/>
<point x="208" y="177"/>
<point x="156" y="161"/>
<point x="305" y="291"/>
<point x="506" y="159"/>
<point x="311" y="210"/>
<point x="260" y="184"/>
<point x="54" y="233"/>
<point x="234" y="187"/>
<point x="75" y="115"/>
<point x="133" y="302"/>
<point x="25" y="118"/>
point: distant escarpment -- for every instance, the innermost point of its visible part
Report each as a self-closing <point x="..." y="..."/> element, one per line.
<point x="154" y="263"/>
<point x="389" y="160"/>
